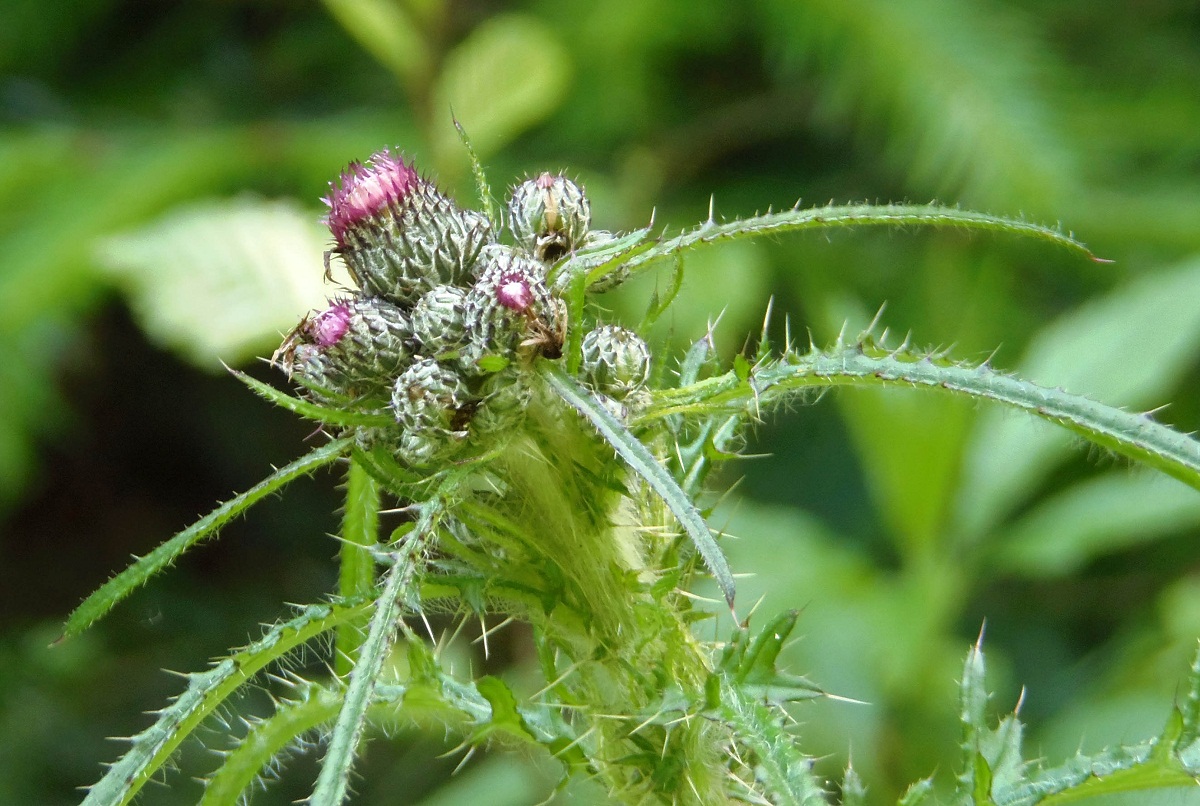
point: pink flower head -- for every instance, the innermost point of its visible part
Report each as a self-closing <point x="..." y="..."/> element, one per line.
<point x="513" y="291"/>
<point x="328" y="327"/>
<point x="365" y="189"/>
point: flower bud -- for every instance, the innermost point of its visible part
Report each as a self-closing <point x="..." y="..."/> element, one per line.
<point x="398" y="235"/>
<point x="508" y="307"/>
<point x="354" y="348"/>
<point x="616" y="362"/>
<point x="505" y="400"/>
<point x="549" y="216"/>
<point x="429" y="400"/>
<point x="437" y="321"/>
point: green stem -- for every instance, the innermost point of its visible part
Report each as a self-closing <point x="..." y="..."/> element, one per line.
<point x="330" y="788"/>
<point x="356" y="578"/>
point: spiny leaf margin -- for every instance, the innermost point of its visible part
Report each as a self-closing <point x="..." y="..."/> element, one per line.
<point x="108" y="595"/>
<point x="333" y="780"/>
<point x="1135" y="436"/>
<point x="204" y="694"/>
<point x="313" y="411"/>
<point x="639" y="458"/>
<point x="831" y="216"/>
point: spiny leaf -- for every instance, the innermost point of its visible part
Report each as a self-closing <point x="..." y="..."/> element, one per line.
<point x="1190" y="708"/>
<point x="642" y="462"/>
<point x="1129" y="348"/>
<point x="1132" y="435"/>
<point x="1123" y="769"/>
<point x="267" y="740"/>
<point x="599" y="259"/>
<point x="481" y="183"/>
<point x="659" y="304"/>
<point x="136" y="575"/>
<point x="780" y="766"/>
<point x="752" y="665"/>
<point x="917" y="794"/>
<point x="891" y="215"/>
<point x="204" y="694"/>
<point x="854" y="791"/>
<point x="313" y="411"/>
<point x="330" y="788"/>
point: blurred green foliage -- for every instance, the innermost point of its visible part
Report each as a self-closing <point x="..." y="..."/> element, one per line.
<point x="160" y="166"/>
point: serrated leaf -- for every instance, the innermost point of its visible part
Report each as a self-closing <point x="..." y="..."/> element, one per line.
<point x="1128" y="349"/>
<point x="313" y="411"/>
<point x="973" y="698"/>
<point x="1190" y="710"/>
<point x="917" y="794"/>
<point x="753" y="664"/>
<point x="642" y="462"/>
<point x="221" y="280"/>
<point x="854" y="791"/>
<point x="205" y="693"/>
<point x="834" y="216"/>
<point x="509" y="74"/>
<point x="1134" y="436"/>
<point x="333" y="780"/>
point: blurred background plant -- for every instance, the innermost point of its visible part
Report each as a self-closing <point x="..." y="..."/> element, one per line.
<point x="159" y="171"/>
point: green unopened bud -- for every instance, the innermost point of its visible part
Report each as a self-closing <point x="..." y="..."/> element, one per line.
<point x="616" y="362"/>
<point x="430" y="402"/>
<point x="437" y="321"/>
<point x="505" y="400"/>
<point x="549" y="216"/>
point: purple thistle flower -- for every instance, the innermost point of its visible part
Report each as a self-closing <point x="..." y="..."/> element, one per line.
<point x="513" y="291"/>
<point x="328" y="327"/>
<point x="364" y="191"/>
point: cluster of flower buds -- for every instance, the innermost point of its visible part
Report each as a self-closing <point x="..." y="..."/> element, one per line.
<point x="445" y="317"/>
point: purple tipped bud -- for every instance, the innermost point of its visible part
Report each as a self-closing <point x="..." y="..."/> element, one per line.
<point x="513" y="291"/>
<point x="398" y="235"/>
<point x="353" y="349"/>
<point x="328" y="327"/>
<point x="510" y="306"/>
<point x="366" y="191"/>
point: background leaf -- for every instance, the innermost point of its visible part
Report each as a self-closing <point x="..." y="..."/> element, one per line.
<point x="221" y="281"/>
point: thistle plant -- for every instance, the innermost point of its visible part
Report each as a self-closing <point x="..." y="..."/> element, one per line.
<point x="549" y="467"/>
